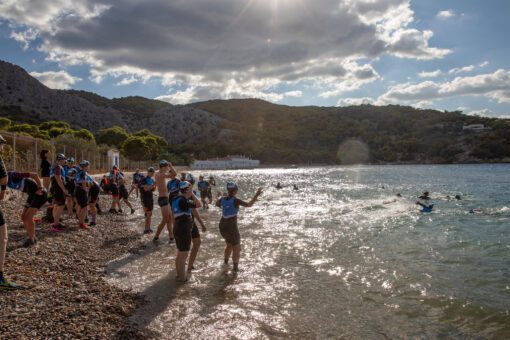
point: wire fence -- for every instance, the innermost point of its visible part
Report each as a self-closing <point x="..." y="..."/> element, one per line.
<point x="22" y="154"/>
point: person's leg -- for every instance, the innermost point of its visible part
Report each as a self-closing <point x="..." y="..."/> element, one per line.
<point x="69" y="205"/>
<point x="227" y="252"/>
<point x="148" y="219"/>
<point x="236" y="255"/>
<point x="3" y="246"/>
<point x="57" y="212"/>
<point x="128" y="204"/>
<point x="181" y="266"/>
<point x="28" y="222"/>
<point x="194" y="251"/>
<point x="46" y="183"/>
<point x="165" y="215"/>
<point x="92" y="213"/>
<point x="177" y="261"/>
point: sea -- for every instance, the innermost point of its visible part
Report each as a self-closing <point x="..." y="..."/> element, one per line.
<point x="343" y="256"/>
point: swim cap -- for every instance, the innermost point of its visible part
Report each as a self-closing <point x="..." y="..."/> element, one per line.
<point x="190" y="179"/>
<point x="151" y="169"/>
<point x="231" y="186"/>
<point x="61" y="157"/>
<point x="163" y="162"/>
<point x="184" y="185"/>
<point x="84" y="163"/>
<point x="70" y="160"/>
<point x="115" y="167"/>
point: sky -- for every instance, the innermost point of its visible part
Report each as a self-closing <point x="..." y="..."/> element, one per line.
<point x="446" y="55"/>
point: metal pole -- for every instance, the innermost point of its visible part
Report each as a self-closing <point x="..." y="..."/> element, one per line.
<point x="35" y="156"/>
<point x="14" y="151"/>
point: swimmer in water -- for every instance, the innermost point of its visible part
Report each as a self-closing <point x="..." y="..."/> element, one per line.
<point x="278" y="186"/>
<point x="425" y="208"/>
<point x="424" y="196"/>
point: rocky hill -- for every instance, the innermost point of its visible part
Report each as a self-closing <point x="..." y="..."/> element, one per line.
<point x="23" y="98"/>
<point x="273" y="133"/>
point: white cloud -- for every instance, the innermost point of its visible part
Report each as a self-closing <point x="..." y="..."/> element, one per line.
<point x="446" y="14"/>
<point x="464" y="69"/>
<point x="354" y="101"/>
<point x="25" y="37"/>
<point x="56" y="80"/>
<point x="488" y="113"/>
<point x="431" y="74"/>
<point x="495" y="86"/>
<point x="483" y="64"/>
<point x="227" y="44"/>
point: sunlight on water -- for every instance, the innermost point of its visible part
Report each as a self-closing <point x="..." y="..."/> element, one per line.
<point x="343" y="256"/>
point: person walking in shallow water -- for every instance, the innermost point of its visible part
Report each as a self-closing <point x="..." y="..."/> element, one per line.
<point x="166" y="171"/>
<point x="182" y="208"/>
<point x="229" y="205"/>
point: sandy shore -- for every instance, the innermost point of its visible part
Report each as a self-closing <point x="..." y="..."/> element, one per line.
<point x="66" y="295"/>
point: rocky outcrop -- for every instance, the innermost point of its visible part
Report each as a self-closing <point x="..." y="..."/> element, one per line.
<point x="25" y="99"/>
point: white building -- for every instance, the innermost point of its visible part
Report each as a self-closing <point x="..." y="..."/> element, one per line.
<point x="113" y="156"/>
<point x="229" y="162"/>
<point x="475" y="127"/>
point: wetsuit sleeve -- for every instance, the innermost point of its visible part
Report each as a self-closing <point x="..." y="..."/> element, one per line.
<point x="238" y="203"/>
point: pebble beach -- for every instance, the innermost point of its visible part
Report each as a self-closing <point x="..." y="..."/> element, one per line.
<point x="66" y="295"/>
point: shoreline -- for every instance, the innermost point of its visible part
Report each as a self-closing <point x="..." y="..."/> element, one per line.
<point x="66" y="292"/>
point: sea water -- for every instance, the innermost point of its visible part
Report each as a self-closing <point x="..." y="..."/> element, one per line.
<point x="342" y="257"/>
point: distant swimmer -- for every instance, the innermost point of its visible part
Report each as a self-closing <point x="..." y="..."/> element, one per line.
<point x="425" y="208"/>
<point x="475" y="211"/>
<point x="278" y="186"/>
<point x="424" y="196"/>
<point x="457" y="197"/>
<point x="296" y="187"/>
<point x="399" y="195"/>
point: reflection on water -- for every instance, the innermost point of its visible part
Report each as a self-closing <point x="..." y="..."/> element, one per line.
<point x="342" y="257"/>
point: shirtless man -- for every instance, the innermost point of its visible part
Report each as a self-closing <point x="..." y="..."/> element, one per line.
<point x="166" y="171"/>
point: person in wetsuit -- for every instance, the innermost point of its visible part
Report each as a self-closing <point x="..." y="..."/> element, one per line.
<point x="59" y="191"/>
<point x="147" y="187"/>
<point x="30" y="184"/>
<point x="182" y="208"/>
<point x="4" y="283"/>
<point x="229" y="205"/>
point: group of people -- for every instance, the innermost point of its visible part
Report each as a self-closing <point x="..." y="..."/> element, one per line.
<point x="179" y="205"/>
<point x="66" y="185"/>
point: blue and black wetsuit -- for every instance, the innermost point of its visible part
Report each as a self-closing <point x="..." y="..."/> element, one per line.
<point x="228" y="222"/>
<point x="182" y="210"/>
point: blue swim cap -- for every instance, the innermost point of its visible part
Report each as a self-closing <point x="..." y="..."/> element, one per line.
<point x="184" y="185"/>
<point x="84" y="163"/>
<point x="70" y="160"/>
<point x="231" y="186"/>
<point x="163" y="162"/>
<point x="190" y="179"/>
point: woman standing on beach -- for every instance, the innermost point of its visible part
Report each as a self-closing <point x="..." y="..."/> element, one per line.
<point x="229" y="205"/>
<point x="45" y="168"/>
<point x="4" y="284"/>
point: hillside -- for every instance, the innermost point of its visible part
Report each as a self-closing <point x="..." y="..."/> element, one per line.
<point x="366" y="133"/>
<point x="24" y="99"/>
<point x="273" y="133"/>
